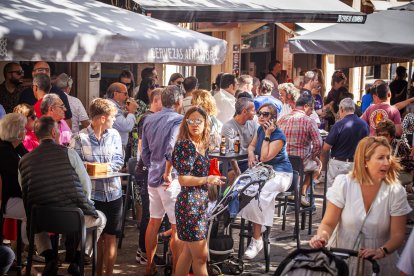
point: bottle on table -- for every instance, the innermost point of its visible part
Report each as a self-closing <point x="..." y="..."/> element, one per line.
<point x="223" y="145"/>
<point x="237" y="144"/>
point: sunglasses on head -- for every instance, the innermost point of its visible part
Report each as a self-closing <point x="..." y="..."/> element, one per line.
<point x="264" y="114"/>
<point x="194" y="122"/>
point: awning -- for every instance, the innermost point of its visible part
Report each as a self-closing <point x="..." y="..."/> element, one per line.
<point x="88" y="30"/>
<point x="251" y="11"/>
<point x="387" y="34"/>
<point x="385" y="5"/>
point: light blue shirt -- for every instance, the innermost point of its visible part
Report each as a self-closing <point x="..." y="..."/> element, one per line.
<point x="2" y="111"/>
<point x="124" y="124"/>
<point x="159" y="134"/>
<point x="106" y="150"/>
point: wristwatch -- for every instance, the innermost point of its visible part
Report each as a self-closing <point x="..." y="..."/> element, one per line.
<point x="267" y="139"/>
<point x="385" y="250"/>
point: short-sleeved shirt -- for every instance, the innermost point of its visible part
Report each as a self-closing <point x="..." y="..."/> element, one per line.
<point x="187" y="104"/>
<point x="406" y="262"/>
<point x="78" y="112"/>
<point x="246" y="132"/>
<point x="366" y="101"/>
<point x="345" y="136"/>
<point x="261" y="100"/>
<point x="281" y="161"/>
<point x="379" y="112"/>
<point x="9" y="100"/>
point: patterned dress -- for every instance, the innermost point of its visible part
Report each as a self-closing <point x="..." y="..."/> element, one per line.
<point x="191" y="204"/>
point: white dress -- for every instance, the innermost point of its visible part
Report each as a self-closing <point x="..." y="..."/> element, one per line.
<point x="390" y="201"/>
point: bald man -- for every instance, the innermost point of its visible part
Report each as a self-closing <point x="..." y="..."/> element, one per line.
<point x="29" y="98"/>
<point x="125" y="118"/>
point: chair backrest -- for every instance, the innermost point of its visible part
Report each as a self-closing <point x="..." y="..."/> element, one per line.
<point x="297" y="165"/>
<point x="132" y="163"/>
<point x="56" y="219"/>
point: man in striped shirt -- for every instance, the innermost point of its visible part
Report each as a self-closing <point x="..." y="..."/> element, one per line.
<point x="303" y="138"/>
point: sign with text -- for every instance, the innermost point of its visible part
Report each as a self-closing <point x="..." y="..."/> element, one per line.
<point x="236" y="60"/>
<point x="342" y="62"/>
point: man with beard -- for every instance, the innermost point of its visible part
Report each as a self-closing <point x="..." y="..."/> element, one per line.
<point x="10" y="89"/>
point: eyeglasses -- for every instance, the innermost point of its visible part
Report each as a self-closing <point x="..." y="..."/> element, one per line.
<point x="18" y="72"/>
<point x="42" y="70"/>
<point x="123" y="92"/>
<point x="196" y="122"/>
<point x="33" y="117"/>
<point x="127" y="84"/>
<point x="264" y="114"/>
<point x="62" y="106"/>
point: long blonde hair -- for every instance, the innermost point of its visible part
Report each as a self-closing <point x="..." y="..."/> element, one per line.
<point x="364" y="152"/>
<point x="184" y="133"/>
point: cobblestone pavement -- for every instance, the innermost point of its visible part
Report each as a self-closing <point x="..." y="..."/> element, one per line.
<point x="126" y="264"/>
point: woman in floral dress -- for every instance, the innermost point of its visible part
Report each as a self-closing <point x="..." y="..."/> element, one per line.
<point x="190" y="159"/>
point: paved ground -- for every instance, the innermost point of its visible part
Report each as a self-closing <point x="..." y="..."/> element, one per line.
<point x="126" y="264"/>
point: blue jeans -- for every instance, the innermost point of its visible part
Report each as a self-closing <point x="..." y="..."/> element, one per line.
<point x="6" y="259"/>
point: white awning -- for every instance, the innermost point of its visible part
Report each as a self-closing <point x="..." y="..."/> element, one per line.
<point x="88" y="30"/>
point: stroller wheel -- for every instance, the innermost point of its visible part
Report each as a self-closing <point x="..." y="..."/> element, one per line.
<point x="213" y="270"/>
<point x="168" y="271"/>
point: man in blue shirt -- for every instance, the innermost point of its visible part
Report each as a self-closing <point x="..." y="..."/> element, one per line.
<point x="342" y="141"/>
<point x="265" y="96"/>
<point x="159" y="134"/>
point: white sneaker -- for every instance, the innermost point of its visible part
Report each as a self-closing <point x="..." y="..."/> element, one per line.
<point x="141" y="257"/>
<point x="254" y="248"/>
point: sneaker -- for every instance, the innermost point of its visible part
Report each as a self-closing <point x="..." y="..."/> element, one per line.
<point x="304" y="201"/>
<point x="254" y="248"/>
<point x="141" y="257"/>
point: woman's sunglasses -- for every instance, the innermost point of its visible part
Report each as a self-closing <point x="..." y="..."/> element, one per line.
<point x="196" y="122"/>
<point x="264" y="114"/>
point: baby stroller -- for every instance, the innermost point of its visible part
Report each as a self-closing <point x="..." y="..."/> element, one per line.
<point x="320" y="262"/>
<point x="247" y="187"/>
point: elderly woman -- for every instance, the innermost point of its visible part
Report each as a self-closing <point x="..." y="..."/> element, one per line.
<point x="205" y="100"/>
<point x="30" y="141"/>
<point x="288" y="95"/>
<point x="12" y="133"/>
<point x="269" y="144"/>
<point x="53" y="106"/>
<point x="190" y="159"/>
<point x="368" y="208"/>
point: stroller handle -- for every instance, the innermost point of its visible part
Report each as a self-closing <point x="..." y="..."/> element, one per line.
<point x="352" y="253"/>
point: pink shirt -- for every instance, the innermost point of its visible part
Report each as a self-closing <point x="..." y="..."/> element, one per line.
<point x="65" y="132"/>
<point x="30" y="141"/>
<point x="379" y="112"/>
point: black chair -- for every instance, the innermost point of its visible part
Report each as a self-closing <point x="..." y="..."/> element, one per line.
<point x="129" y="197"/>
<point x="60" y="220"/>
<point x="294" y="191"/>
<point x="297" y="164"/>
<point x="18" y="267"/>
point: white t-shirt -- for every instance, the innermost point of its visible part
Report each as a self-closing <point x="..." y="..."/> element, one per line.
<point x="78" y="112"/>
<point x="225" y="103"/>
<point x="186" y="104"/>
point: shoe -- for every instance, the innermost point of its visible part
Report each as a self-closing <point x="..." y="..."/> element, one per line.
<point x="38" y="258"/>
<point x="141" y="257"/>
<point x="254" y="248"/>
<point x="153" y="271"/>
<point x="74" y="269"/>
<point x="51" y="269"/>
<point x="304" y="201"/>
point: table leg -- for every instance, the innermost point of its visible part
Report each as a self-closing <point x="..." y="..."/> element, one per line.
<point x="224" y="173"/>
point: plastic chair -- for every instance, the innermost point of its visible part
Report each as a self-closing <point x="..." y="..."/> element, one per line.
<point x="60" y="220"/>
<point x="129" y="197"/>
<point x="294" y="191"/>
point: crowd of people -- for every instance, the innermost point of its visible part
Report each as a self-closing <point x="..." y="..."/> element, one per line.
<point x="47" y="136"/>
